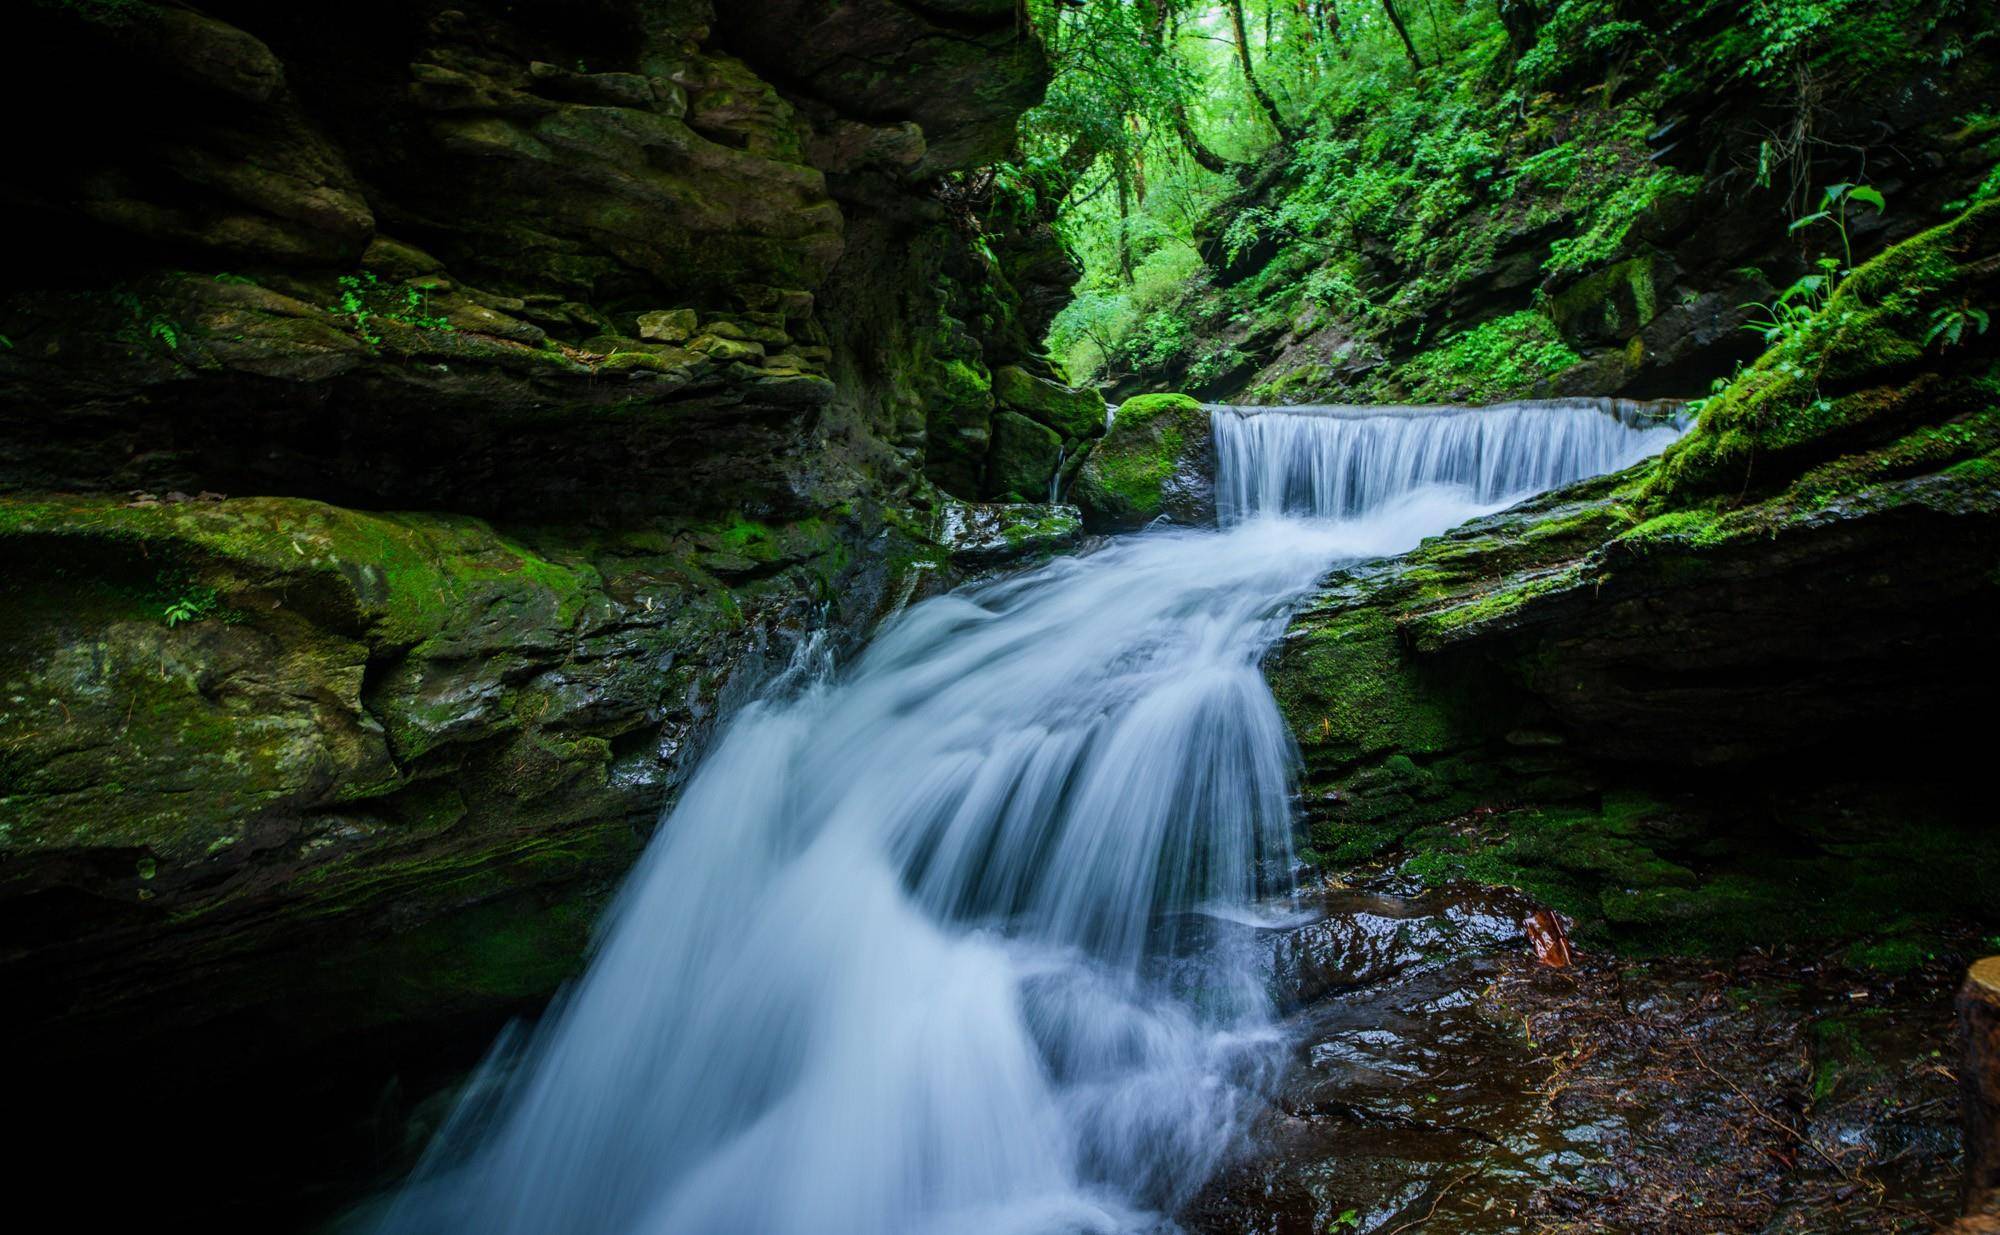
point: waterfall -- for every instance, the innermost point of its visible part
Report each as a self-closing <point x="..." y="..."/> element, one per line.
<point x="961" y="938"/>
<point x="1342" y="461"/>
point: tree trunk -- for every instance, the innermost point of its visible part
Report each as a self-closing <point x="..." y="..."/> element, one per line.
<point x="1522" y="19"/>
<point x="1269" y="108"/>
<point x="1204" y="155"/>
<point x="1979" y="1080"/>
<point x="1329" y="16"/>
<point x="1206" y="158"/>
<point x="1402" y="32"/>
<point x="1124" y="217"/>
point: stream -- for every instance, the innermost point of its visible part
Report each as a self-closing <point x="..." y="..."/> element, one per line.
<point x="976" y="934"/>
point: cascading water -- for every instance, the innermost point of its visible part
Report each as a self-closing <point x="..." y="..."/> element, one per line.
<point x="1344" y="461"/>
<point x="959" y="939"/>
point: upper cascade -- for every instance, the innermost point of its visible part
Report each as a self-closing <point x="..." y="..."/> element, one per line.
<point x="1341" y="461"/>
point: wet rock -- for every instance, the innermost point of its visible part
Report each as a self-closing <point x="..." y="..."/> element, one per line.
<point x="1613" y="304"/>
<point x="1487" y="1094"/>
<point x="1025" y="457"/>
<point x="986" y="533"/>
<point x="727" y="351"/>
<point x="1071" y="412"/>
<point x="1157" y="459"/>
<point x="1367" y="938"/>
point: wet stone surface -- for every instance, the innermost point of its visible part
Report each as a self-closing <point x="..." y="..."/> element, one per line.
<point x="1441" y="1079"/>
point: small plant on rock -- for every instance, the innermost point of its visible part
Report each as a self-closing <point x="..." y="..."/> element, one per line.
<point x="1788" y="314"/>
<point x="363" y="298"/>
<point x="1948" y="324"/>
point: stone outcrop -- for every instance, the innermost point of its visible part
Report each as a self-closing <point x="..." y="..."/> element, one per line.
<point x="418" y="425"/>
<point x="1776" y="619"/>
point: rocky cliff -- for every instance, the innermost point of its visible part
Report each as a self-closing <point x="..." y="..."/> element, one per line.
<point x="417" y="423"/>
<point x="1719" y="701"/>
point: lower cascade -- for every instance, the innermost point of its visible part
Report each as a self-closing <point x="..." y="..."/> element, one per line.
<point x="964" y="937"/>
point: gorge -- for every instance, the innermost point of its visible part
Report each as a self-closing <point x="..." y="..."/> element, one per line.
<point x="964" y="615"/>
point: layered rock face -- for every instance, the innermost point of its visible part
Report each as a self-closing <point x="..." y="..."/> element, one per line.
<point x="1717" y="701"/>
<point x="418" y="423"/>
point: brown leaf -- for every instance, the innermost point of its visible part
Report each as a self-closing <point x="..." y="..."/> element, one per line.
<point x="1551" y="942"/>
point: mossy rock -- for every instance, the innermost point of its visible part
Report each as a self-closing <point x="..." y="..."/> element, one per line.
<point x="958" y="424"/>
<point x="1158" y="459"/>
<point x="1075" y="413"/>
<point x="1862" y="372"/>
<point x="1611" y="305"/>
<point x="1024" y="460"/>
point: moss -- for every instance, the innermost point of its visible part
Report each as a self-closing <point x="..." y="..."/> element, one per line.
<point x="958" y="400"/>
<point x="1646" y="877"/>
<point x="1612" y="303"/>
<point x="1024" y="459"/>
<point x="1073" y="413"/>
<point x="1858" y="371"/>
<point x="1347" y="689"/>
<point x="1436" y="627"/>
<point x="1928" y="449"/>
<point x="621" y="362"/>
<point x="1125" y="480"/>
<point x="402" y="578"/>
<point x="1837" y="1051"/>
<point x="1681" y="527"/>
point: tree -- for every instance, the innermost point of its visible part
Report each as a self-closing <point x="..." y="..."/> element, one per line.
<point x="1403" y="32"/>
<point x="1257" y="91"/>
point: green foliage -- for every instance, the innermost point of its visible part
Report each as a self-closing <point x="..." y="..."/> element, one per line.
<point x="147" y="326"/>
<point x="1496" y="360"/>
<point x="1607" y="222"/>
<point x="363" y="298"/>
<point x="1948" y="323"/>
<point x="179" y="598"/>
<point x="1395" y="187"/>
<point x="1578" y="33"/>
<point x="1790" y="312"/>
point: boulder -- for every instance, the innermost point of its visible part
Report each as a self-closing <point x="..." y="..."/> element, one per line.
<point x="982" y="534"/>
<point x="668" y="325"/>
<point x="1074" y="413"/>
<point x="1024" y="460"/>
<point x="1157" y="459"/>
<point x="958" y="424"/>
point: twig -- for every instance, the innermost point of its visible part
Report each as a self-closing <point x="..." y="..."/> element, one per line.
<point x="1773" y="1120"/>
<point x="1434" y="1204"/>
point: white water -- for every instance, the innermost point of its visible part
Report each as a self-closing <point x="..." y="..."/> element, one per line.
<point x="942" y="943"/>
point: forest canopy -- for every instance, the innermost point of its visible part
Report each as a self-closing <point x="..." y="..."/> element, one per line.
<point x="1360" y="157"/>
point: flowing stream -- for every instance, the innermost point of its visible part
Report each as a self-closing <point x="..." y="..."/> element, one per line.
<point x="963" y="937"/>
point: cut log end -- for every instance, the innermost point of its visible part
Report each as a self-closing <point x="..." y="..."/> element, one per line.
<point x="1979" y="1033"/>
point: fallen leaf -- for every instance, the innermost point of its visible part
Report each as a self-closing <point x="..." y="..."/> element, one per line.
<point x="1551" y="942"/>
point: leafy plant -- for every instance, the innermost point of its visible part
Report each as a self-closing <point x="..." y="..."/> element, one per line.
<point x="1833" y="209"/>
<point x="1793" y="308"/>
<point x="1948" y="324"/>
<point x="1499" y="359"/>
<point x="181" y="599"/>
<point x="363" y="298"/>
<point x="1788" y="313"/>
